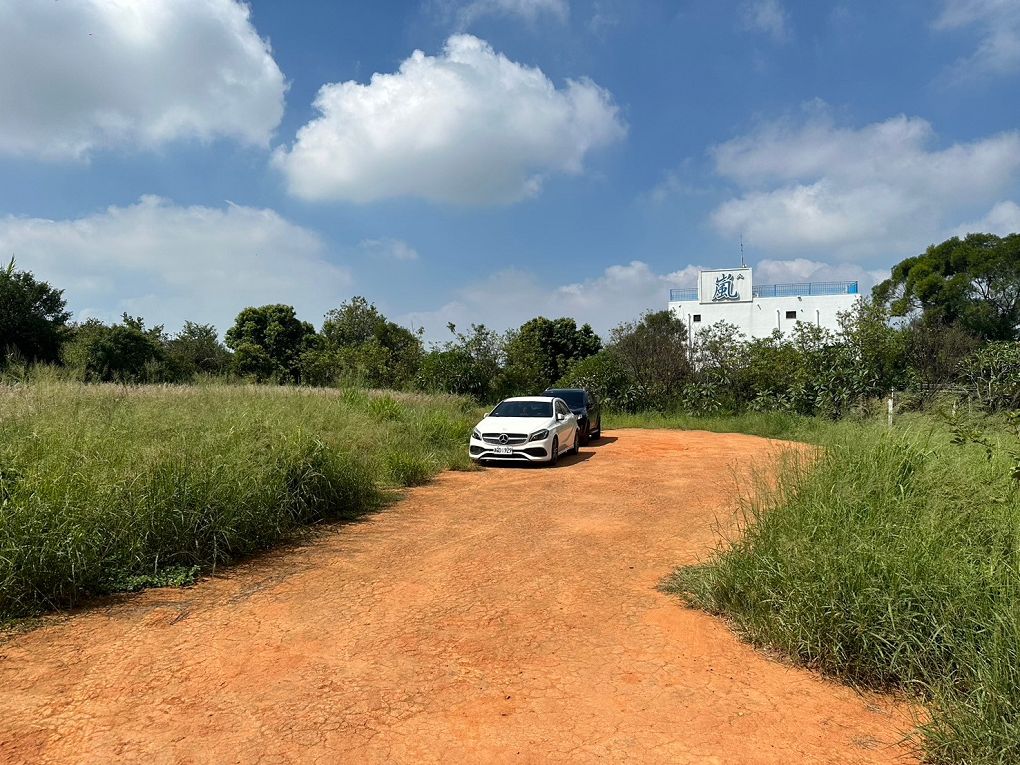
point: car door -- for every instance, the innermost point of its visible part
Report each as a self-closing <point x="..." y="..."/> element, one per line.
<point x="567" y="426"/>
<point x="594" y="413"/>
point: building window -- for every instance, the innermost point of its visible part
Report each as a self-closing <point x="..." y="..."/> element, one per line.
<point x="696" y="317"/>
<point x="791" y="314"/>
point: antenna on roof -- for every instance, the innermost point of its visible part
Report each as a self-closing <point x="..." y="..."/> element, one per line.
<point x="742" y="263"/>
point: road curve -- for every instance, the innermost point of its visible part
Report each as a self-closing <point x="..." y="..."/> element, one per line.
<point x="507" y="615"/>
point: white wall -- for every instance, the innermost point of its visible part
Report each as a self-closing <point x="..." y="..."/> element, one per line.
<point x="759" y="317"/>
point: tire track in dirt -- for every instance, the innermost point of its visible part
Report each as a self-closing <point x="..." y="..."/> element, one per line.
<point x="509" y="615"/>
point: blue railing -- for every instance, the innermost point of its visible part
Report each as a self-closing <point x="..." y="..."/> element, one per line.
<point x="685" y="294"/>
<point x="804" y="289"/>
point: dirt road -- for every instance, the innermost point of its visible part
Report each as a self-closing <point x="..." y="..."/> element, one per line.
<point x="509" y="615"/>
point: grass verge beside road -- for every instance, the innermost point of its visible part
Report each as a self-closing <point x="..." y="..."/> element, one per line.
<point x="889" y="559"/>
<point x="781" y="425"/>
<point x="110" y="488"/>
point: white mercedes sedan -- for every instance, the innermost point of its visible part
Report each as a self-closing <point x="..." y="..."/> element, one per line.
<point x="531" y="428"/>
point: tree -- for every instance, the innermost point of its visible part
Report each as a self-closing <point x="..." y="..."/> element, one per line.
<point x="875" y="348"/>
<point x="542" y="350"/>
<point x="269" y="343"/>
<point x="654" y="352"/>
<point x="360" y="343"/>
<point x="470" y="364"/>
<point x="125" y="352"/>
<point x="605" y="376"/>
<point x="973" y="282"/>
<point x="197" y="349"/>
<point x="935" y="354"/>
<point x="33" y="319"/>
<point x="993" y="373"/>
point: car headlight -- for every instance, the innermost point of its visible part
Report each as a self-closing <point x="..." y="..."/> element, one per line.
<point x="476" y="435"/>
<point x="539" y="436"/>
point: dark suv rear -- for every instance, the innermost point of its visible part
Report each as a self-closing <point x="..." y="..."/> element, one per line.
<point x="583" y="404"/>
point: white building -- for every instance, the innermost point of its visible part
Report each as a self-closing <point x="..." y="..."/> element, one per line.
<point x="730" y="295"/>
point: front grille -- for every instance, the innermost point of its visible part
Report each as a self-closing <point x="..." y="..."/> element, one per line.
<point x="511" y="438"/>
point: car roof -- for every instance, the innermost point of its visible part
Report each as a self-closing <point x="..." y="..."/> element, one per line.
<point x="565" y="390"/>
<point x="531" y="398"/>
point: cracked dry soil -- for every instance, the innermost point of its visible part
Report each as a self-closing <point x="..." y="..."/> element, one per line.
<point x="508" y="615"/>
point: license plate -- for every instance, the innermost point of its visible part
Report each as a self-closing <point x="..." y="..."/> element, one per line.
<point x="503" y="450"/>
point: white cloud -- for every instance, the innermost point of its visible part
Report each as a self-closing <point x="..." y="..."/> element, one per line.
<point x="768" y="17"/>
<point x="169" y="263"/>
<point x="390" y="249"/>
<point x="1002" y="219"/>
<point x="879" y="190"/>
<point x="466" y="13"/>
<point x="467" y="127"/>
<point x="998" y="24"/>
<point x="77" y="76"/>
<point x="509" y="298"/>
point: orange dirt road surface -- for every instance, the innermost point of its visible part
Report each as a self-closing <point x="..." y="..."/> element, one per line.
<point x="507" y="615"/>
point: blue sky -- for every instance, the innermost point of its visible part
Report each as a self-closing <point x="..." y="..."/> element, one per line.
<point x="492" y="160"/>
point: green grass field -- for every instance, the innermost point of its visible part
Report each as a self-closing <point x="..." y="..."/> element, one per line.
<point x="890" y="560"/>
<point x="110" y="488"/>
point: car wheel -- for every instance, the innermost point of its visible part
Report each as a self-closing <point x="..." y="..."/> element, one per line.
<point x="597" y="433"/>
<point x="555" y="456"/>
<point x="577" y="445"/>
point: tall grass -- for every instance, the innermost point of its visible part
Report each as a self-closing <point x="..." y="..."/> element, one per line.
<point x="889" y="559"/>
<point x="106" y="488"/>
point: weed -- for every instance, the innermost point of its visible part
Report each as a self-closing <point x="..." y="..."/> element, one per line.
<point x="890" y="559"/>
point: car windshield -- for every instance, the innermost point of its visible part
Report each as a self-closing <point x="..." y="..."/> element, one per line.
<point x="523" y="409"/>
<point x="574" y="398"/>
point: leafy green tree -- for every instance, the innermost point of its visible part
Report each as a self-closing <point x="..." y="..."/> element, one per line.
<point x="269" y="342"/>
<point x="655" y="353"/>
<point x="876" y="349"/>
<point x="973" y="282"/>
<point x="196" y="350"/>
<point x="935" y="354"/>
<point x="471" y="364"/>
<point x="605" y="376"/>
<point x="542" y="350"/>
<point x="33" y="319"/>
<point x="717" y="354"/>
<point x="359" y="343"/>
<point x="993" y="374"/>
<point x="125" y="352"/>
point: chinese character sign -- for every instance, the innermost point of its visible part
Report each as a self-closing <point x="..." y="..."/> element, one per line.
<point x="725" y="285"/>
<point x="724" y="289"/>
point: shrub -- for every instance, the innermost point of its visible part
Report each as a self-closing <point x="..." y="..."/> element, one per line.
<point x="605" y="376"/>
<point x="889" y="559"/>
<point x="105" y="488"/>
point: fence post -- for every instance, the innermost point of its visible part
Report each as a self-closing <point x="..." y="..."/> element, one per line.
<point x="889" y="409"/>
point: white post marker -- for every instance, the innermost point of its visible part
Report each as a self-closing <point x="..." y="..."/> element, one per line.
<point x="890" y="409"/>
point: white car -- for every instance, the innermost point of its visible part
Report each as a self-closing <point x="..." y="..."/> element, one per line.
<point x="526" y="428"/>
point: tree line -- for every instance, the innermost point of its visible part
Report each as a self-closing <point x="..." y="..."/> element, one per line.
<point x="946" y="318"/>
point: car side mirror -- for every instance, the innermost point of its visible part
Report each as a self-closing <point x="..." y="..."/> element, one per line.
<point x="559" y="417"/>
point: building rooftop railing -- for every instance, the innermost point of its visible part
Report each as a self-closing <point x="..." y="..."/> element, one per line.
<point x="682" y="294"/>
<point x="797" y="289"/>
<point x="804" y="289"/>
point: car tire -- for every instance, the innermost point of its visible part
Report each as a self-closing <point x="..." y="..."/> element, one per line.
<point x="554" y="458"/>
<point x="577" y="445"/>
<point x="597" y="433"/>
